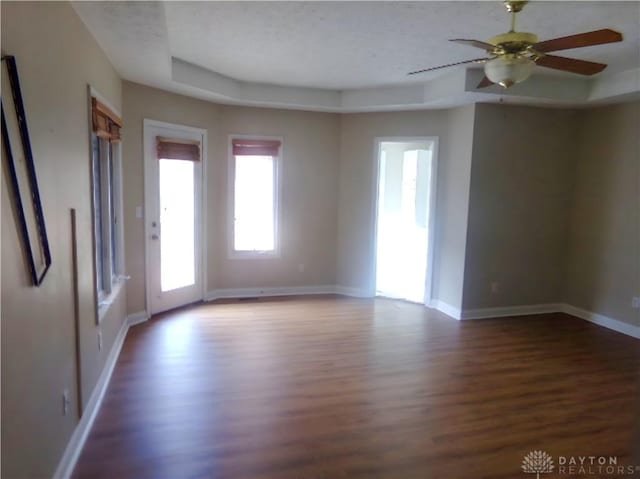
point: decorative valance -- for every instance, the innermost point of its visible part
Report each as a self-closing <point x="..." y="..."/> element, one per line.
<point x="177" y="149"/>
<point x="255" y="147"/>
<point x="106" y="124"/>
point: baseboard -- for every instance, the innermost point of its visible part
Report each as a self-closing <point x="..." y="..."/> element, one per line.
<point x="284" y="291"/>
<point x="353" y="292"/>
<point x="266" y="292"/>
<point x="137" y="318"/>
<point x="595" y="318"/>
<point x="501" y="312"/>
<point x="602" y="320"/>
<point x="81" y="432"/>
<point x="446" y="308"/>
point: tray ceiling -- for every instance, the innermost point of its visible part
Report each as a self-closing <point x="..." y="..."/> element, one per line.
<point x="327" y="55"/>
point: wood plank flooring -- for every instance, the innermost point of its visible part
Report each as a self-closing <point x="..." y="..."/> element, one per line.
<point x="331" y="387"/>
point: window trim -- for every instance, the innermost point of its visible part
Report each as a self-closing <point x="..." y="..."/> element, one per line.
<point x="277" y="179"/>
<point x="104" y="297"/>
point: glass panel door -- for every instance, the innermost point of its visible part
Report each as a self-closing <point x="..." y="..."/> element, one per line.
<point x="177" y="232"/>
<point x="173" y="221"/>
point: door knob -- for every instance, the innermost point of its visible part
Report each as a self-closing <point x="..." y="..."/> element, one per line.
<point x="154" y="237"/>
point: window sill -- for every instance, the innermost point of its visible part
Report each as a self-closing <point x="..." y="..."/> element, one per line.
<point x="105" y="302"/>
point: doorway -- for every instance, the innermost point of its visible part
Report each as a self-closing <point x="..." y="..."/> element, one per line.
<point x="405" y="218"/>
<point x="173" y="214"/>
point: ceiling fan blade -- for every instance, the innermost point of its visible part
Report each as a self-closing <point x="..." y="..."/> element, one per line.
<point x="572" y="65"/>
<point x="475" y="60"/>
<point x="485" y="82"/>
<point x="474" y="43"/>
<point x="597" y="37"/>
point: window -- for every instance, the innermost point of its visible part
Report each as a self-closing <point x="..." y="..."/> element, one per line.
<point x="105" y="164"/>
<point x="177" y="170"/>
<point x="254" y="186"/>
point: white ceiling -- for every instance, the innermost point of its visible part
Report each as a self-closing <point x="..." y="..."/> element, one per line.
<point x="348" y="56"/>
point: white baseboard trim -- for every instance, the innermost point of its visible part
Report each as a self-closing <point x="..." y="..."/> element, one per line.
<point x="602" y="320"/>
<point x="137" y="318"/>
<point x="353" y="292"/>
<point x="501" y="312"/>
<point x="81" y="432"/>
<point x="595" y="318"/>
<point x="266" y="292"/>
<point x="445" y="308"/>
<point x="284" y="291"/>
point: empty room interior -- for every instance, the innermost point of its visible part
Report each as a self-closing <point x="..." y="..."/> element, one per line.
<point x="318" y="240"/>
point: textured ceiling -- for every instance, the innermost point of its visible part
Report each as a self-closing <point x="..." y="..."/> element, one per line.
<point x="339" y="45"/>
<point x="335" y="45"/>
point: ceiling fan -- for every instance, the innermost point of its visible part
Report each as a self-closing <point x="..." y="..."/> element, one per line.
<point x="513" y="55"/>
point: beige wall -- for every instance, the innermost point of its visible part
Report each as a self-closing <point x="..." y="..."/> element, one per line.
<point x="57" y="59"/>
<point x="309" y="189"/>
<point x="334" y="247"/>
<point x="519" y="200"/>
<point x="603" y="272"/>
<point x="454" y="173"/>
<point x="502" y="212"/>
<point x="358" y="164"/>
<point x="140" y="102"/>
<point x="309" y="199"/>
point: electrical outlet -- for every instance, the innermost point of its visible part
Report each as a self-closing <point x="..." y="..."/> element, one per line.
<point x="635" y="302"/>
<point x="301" y="268"/>
<point x="99" y="340"/>
<point x="65" y="402"/>
<point x="495" y="287"/>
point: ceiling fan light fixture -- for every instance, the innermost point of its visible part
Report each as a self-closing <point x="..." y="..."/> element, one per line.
<point x="507" y="70"/>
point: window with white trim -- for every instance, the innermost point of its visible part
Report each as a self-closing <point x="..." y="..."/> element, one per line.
<point x="107" y="197"/>
<point x="254" y="195"/>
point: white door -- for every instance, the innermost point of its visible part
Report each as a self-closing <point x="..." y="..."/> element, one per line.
<point x="405" y="219"/>
<point x="173" y="217"/>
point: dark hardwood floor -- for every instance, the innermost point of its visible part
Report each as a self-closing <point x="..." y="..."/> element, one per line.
<point x="331" y="387"/>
